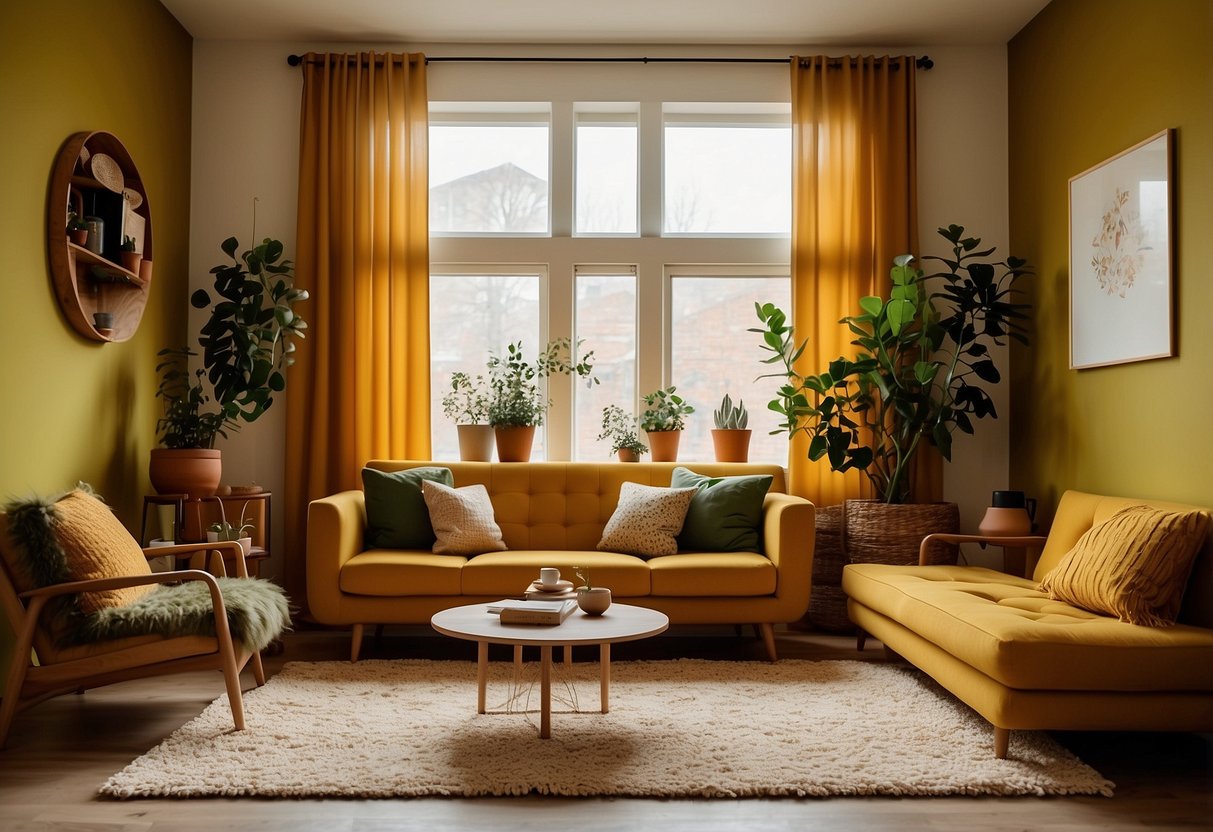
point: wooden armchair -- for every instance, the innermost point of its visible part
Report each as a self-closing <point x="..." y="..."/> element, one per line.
<point x="61" y="669"/>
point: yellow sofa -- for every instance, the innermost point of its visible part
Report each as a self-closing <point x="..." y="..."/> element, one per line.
<point x="1023" y="661"/>
<point x="553" y="514"/>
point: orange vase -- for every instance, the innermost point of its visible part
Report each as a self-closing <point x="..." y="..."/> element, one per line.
<point x="192" y="471"/>
<point x="731" y="445"/>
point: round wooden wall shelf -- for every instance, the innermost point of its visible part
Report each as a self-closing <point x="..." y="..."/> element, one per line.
<point x="96" y="179"/>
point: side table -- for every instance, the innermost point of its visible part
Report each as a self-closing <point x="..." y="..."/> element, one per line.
<point x="1014" y="549"/>
<point x="191" y="517"/>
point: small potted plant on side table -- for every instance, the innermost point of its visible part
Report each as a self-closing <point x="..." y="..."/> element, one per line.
<point x="130" y="258"/>
<point x="619" y="428"/>
<point x="663" y="420"/>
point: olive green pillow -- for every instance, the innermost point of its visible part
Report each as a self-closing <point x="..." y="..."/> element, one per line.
<point x="1134" y="565"/>
<point x="396" y="514"/>
<point x="725" y="513"/>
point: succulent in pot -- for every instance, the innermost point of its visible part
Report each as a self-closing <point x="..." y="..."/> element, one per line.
<point x="664" y="419"/>
<point x="731" y="436"/>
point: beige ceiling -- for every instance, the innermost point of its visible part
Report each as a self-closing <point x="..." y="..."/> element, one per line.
<point x="852" y="22"/>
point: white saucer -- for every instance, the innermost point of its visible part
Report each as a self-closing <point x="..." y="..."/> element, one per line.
<point x="560" y="586"/>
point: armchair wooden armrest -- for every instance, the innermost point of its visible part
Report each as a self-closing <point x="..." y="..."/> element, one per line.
<point x="229" y="548"/>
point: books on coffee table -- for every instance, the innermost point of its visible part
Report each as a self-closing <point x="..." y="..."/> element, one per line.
<point x="549" y="612"/>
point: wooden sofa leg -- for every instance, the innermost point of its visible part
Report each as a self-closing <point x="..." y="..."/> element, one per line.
<point x="861" y="639"/>
<point x="356" y="643"/>
<point x="768" y="640"/>
<point x="1002" y="738"/>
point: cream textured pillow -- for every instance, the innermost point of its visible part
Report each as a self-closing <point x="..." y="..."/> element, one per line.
<point x="647" y="520"/>
<point x="462" y="519"/>
<point x="1134" y="565"/>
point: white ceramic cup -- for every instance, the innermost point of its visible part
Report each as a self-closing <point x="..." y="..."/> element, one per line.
<point x="549" y="576"/>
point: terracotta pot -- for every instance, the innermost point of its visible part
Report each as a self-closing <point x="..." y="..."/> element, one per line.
<point x="627" y="455"/>
<point x="594" y="601"/>
<point x="731" y="445"/>
<point x="131" y="261"/>
<point x="664" y="444"/>
<point x="79" y="236"/>
<point x="876" y="532"/>
<point x="514" y="442"/>
<point x="1005" y="522"/>
<point x="475" y="443"/>
<point x="192" y="471"/>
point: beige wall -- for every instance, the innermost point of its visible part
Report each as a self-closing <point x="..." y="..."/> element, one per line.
<point x="73" y="409"/>
<point x="962" y="158"/>
<point x="1088" y="79"/>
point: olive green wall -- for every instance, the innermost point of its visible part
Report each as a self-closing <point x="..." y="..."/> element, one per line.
<point x="76" y="409"/>
<point x="1088" y="79"/>
<point x="73" y="409"/>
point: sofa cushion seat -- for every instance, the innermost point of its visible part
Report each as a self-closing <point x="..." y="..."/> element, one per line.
<point x="712" y="574"/>
<point x="1008" y="629"/>
<point x="510" y="573"/>
<point x="401" y="572"/>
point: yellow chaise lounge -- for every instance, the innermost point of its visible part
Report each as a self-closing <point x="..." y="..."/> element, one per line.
<point x="553" y="514"/>
<point x="1024" y="661"/>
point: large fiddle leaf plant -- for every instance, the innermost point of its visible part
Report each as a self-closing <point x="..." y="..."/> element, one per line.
<point x="918" y="371"/>
<point x="246" y="348"/>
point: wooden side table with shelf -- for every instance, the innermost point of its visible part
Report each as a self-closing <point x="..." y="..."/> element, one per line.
<point x="191" y="517"/>
<point x="1016" y="550"/>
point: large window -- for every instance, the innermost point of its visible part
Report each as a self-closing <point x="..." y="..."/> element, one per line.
<point x="661" y="225"/>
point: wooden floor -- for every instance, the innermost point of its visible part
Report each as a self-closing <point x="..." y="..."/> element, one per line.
<point x="61" y="751"/>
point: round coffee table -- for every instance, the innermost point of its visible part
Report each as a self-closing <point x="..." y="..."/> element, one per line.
<point x="621" y="622"/>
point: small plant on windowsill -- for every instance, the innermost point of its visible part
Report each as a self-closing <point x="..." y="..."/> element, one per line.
<point x="664" y="419"/>
<point x="619" y="428"/>
<point x="731" y="436"/>
<point x="593" y="600"/>
<point x="466" y="403"/>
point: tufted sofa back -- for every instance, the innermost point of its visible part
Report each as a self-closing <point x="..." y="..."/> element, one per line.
<point x="565" y="505"/>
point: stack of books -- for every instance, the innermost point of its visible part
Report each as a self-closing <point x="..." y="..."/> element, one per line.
<point x="513" y="611"/>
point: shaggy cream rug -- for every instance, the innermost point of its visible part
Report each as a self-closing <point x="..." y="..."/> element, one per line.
<point x="684" y="728"/>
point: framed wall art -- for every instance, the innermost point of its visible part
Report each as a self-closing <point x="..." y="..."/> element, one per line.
<point x="1121" y="257"/>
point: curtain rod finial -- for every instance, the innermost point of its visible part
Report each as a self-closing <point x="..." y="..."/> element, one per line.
<point x="924" y="62"/>
<point x="294" y="60"/>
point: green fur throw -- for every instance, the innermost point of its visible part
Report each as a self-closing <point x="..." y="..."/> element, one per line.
<point x="257" y="612"/>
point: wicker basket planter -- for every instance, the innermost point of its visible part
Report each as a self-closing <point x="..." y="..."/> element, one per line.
<point x="876" y="532"/>
<point x="828" y="603"/>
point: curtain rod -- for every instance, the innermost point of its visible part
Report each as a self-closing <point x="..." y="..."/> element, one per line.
<point x="922" y="62"/>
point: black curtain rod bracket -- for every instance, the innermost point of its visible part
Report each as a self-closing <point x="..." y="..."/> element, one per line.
<point x="923" y="62"/>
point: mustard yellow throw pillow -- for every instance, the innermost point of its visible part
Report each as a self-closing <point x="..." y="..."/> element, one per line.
<point x="1134" y="565"/>
<point x="96" y="545"/>
<point x="462" y="519"/>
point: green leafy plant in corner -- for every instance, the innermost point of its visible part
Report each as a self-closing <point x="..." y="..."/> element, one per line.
<point x="664" y="410"/>
<point x="246" y="347"/>
<point x="466" y="401"/>
<point x="619" y="428"/>
<point x="918" y="370"/>
<point x="516" y="394"/>
<point x="730" y="417"/>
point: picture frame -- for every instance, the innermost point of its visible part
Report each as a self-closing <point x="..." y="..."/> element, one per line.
<point x="1121" y="257"/>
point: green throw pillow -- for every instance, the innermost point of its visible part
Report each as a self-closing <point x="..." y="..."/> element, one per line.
<point x="725" y="513"/>
<point x="396" y="516"/>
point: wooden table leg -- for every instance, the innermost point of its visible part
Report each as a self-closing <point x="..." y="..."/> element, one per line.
<point x="604" y="674"/>
<point x="482" y="673"/>
<point x="568" y="656"/>
<point x="545" y="693"/>
<point x="517" y="665"/>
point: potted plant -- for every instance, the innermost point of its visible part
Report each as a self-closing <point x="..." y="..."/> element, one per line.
<point x="517" y="402"/>
<point x="663" y="420"/>
<point x="731" y="436"/>
<point x="466" y="403"/>
<point x="246" y="348"/>
<point x="130" y="257"/>
<point x="593" y="600"/>
<point x="77" y="229"/>
<point x="619" y="428"/>
<point x="916" y="376"/>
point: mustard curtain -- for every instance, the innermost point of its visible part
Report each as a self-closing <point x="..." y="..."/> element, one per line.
<point x="360" y="388"/>
<point x="854" y="192"/>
